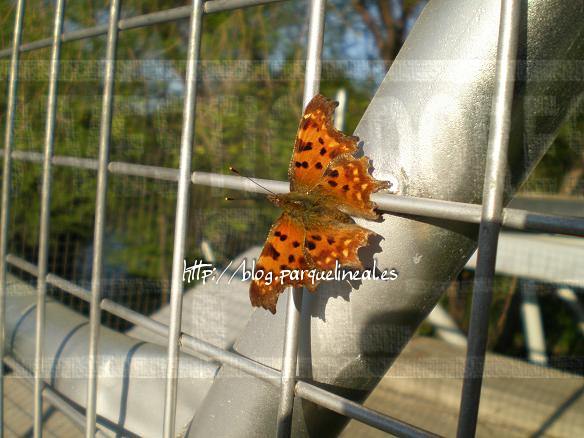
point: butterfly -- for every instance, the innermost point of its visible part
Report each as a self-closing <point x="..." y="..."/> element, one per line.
<point x="328" y="185"/>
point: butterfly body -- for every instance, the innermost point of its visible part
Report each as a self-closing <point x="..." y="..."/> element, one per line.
<point x="309" y="209"/>
<point x="315" y="230"/>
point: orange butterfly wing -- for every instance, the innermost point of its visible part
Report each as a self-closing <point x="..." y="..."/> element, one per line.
<point x="348" y="182"/>
<point x="284" y="249"/>
<point x="317" y="144"/>
<point x="336" y="241"/>
<point x="322" y="167"/>
<point x="323" y="162"/>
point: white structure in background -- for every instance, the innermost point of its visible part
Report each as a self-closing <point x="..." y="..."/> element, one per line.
<point x="571" y="299"/>
<point x="546" y="258"/>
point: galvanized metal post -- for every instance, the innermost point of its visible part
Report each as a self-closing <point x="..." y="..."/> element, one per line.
<point x="294" y="304"/>
<point x="45" y="218"/>
<point x="100" y="218"/>
<point x="494" y="185"/>
<point x="6" y="183"/>
<point x="182" y="205"/>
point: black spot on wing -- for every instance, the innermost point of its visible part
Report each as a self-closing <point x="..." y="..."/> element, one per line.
<point x="270" y="251"/>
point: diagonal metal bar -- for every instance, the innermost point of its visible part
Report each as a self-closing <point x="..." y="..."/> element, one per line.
<point x="45" y="218"/>
<point x="294" y="303"/>
<point x="182" y="205"/>
<point x="100" y="208"/>
<point x="6" y="183"/>
<point x="491" y="218"/>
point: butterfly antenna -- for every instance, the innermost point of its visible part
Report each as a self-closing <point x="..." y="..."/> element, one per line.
<point x="235" y="171"/>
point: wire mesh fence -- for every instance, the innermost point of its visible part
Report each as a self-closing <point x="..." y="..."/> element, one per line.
<point x="120" y="183"/>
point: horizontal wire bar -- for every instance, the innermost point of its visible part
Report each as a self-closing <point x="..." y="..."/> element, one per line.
<point x="459" y="211"/>
<point x="54" y="280"/>
<point x="239" y="183"/>
<point x="30" y="156"/>
<point x="155" y="172"/>
<point x="134" y="317"/>
<point x="439" y="209"/>
<point x="53" y="397"/>
<point x="82" y="163"/>
<point x="71" y="288"/>
<point x="354" y="410"/>
<point x="234" y="360"/>
<point x="160" y="17"/>
<point x="58" y="160"/>
<point x="227" y="5"/>
<point x="191" y="344"/>
<point x="198" y="347"/>
<point x="22" y="264"/>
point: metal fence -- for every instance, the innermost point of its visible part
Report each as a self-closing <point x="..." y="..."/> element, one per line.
<point x="491" y="216"/>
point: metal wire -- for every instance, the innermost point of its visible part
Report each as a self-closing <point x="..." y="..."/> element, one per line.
<point x="45" y="218"/>
<point x="354" y="410"/>
<point x="491" y="217"/>
<point x="100" y="206"/>
<point x="516" y="219"/>
<point x="160" y="17"/>
<point x="294" y="302"/>
<point x="4" y="215"/>
<point x="180" y="227"/>
<point x="22" y="264"/>
<point x="289" y="362"/>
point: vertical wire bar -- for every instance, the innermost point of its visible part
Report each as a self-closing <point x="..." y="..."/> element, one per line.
<point x="294" y="303"/>
<point x="6" y="183"/>
<point x="493" y="191"/>
<point x="45" y="219"/>
<point x="180" y="227"/>
<point x="289" y="362"/>
<point x="100" y="207"/>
